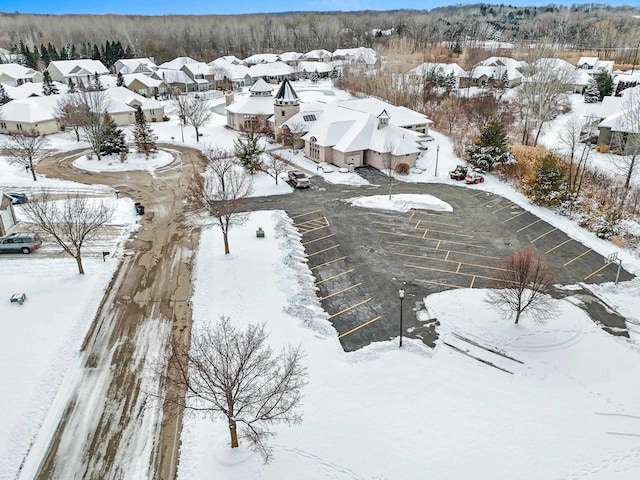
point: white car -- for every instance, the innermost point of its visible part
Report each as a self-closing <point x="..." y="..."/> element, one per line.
<point x="325" y="167"/>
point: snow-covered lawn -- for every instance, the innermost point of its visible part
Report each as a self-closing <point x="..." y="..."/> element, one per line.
<point x="569" y="410"/>
<point x="134" y="161"/>
<point x="402" y="202"/>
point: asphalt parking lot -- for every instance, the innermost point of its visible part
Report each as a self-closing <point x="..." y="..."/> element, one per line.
<point x="362" y="257"/>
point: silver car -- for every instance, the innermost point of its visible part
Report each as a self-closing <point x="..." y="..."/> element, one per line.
<point x="20" y="242"/>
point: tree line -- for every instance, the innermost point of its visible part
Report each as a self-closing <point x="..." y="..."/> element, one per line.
<point x="611" y="31"/>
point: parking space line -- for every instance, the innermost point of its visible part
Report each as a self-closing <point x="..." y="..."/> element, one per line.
<point x="458" y="269"/>
<point x="350" y="308"/>
<point x="413" y="212"/>
<point x="446" y="257"/>
<point x="473" y="280"/>
<point x="303" y="214"/>
<point x="426" y="230"/>
<point x="424" y="257"/>
<point x="490" y="201"/>
<point x="478" y="194"/>
<point x="314" y="229"/>
<point x="530" y="225"/>
<point x="318" y="239"/>
<point x="358" y="327"/>
<point x="437" y="248"/>
<point x="597" y="271"/>
<point x="324" y="250"/>
<point x="328" y="263"/>
<point x="313" y="221"/>
<point x="434" y="239"/>
<point x="437" y="283"/>
<point x="502" y="208"/>
<point x="451" y="233"/>
<point x="576" y="258"/>
<point x="447" y="271"/>
<point x="335" y="276"/>
<point x="341" y="291"/>
<point x="543" y="235"/>
<point x="440" y="223"/>
<point x="515" y="216"/>
<point x="557" y="246"/>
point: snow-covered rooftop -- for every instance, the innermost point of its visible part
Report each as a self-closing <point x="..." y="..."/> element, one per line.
<point x="276" y="69"/>
<point x="177" y="63"/>
<point x="261" y="58"/>
<point x="320" y="54"/>
<point x="15" y="71"/>
<point x="399" y="116"/>
<point x="444" y="69"/>
<point x="313" y="67"/>
<point x="67" y="67"/>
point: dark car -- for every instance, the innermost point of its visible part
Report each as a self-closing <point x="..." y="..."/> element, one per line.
<point x="18" y="198"/>
<point x="20" y="242"/>
<point x="459" y="173"/>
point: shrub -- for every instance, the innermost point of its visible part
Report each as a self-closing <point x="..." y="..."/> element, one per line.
<point x="546" y="183"/>
<point x="403" y="168"/>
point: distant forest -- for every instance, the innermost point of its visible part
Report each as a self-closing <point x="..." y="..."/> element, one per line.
<point x="611" y="31"/>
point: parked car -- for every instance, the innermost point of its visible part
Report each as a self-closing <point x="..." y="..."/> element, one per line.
<point x="474" y="176"/>
<point x="459" y="173"/>
<point x="18" y="198"/>
<point x="299" y="179"/>
<point x="20" y="242"/>
<point x="325" y="167"/>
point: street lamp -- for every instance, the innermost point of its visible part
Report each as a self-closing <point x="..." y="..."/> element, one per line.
<point x="401" y="297"/>
<point x="437" y="154"/>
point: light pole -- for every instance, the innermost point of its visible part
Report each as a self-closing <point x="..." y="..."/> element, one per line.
<point x="181" y="130"/>
<point x="401" y="297"/>
<point x="437" y="155"/>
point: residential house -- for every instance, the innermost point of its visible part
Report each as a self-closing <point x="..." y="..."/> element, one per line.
<point x="7" y="57"/>
<point x="260" y="58"/>
<point x="318" y="56"/>
<point x="15" y="75"/>
<point x="202" y="74"/>
<point x="490" y="75"/>
<point x="177" y="63"/>
<point x="442" y="70"/>
<point x="230" y="75"/>
<point x="553" y="69"/>
<point x="620" y="132"/>
<point x="7" y="214"/>
<point x="360" y="58"/>
<point x="594" y="66"/>
<point x="315" y="69"/>
<point x="27" y="90"/>
<point x="142" y="84"/>
<point x="80" y="72"/>
<point x="126" y="66"/>
<point x="272" y="72"/>
<point x="175" y="79"/>
<point x="290" y="58"/>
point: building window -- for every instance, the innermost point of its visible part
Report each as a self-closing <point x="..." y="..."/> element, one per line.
<point x="3" y="125"/>
<point x="18" y="127"/>
<point x="314" y="149"/>
<point x="283" y="113"/>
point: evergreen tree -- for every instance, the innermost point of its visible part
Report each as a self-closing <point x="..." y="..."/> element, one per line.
<point x="48" y="87"/>
<point x="119" y="80"/>
<point x="4" y="97"/>
<point x="605" y="84"/>
<point x="113" y="141"/>
<point x="128" y="52"/>
<point x="95" y="53"/>
<point x="450" y="82"/>
<point x="96" y="84"/>
<point x="71" y="87"/>
<point x="546" y="183"/>
<point x="144" y="137"/>
<point x="27" y="58"/>
<point x="44" y="55"/>
<point x="490" y="148"/>
<point x="53" y="53"/>
<point x="591" y="93"/>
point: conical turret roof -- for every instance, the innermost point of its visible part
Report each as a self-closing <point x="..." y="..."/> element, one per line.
<point x="286" y="94"/>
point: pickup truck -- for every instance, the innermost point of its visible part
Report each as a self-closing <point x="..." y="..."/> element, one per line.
<point x="298" y="179"/>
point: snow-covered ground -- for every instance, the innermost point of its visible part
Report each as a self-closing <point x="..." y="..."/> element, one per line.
<point x="570" y="410"/>
<point x="565" y="405"/>
<point x="134" y="161"/>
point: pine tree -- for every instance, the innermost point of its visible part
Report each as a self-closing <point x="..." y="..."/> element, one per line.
<point x="490" y="148"/>
<point x="591" y="93"/>
<point x="546" y="183"/>
<point x="113" y="141"/>
<point x="450" y="82"/>
<point x="605" y="84"/>
<point x="144" y="137"/>
<point x="44" y="55"/>
<point x="128" y="52"/>
<point x="4" y="97"/>
<point x="119" y="80"/>
<point x="96" y="84"/>
<point x="53" y="53"/>
<point x="48" y="87"/>
<point x="95" y="53"/>
<point x="71" y="87"/>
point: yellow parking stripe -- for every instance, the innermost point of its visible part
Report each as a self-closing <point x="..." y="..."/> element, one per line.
<point x="335" y="276"/>
<point x="576" y="258"/>
<point x="490" y="201"/>
<point x="304" y="232"/>
<point x="323" y="250"/>
<point x="530" y="225"/>
<point x="424" y="257"/>
<point x="312" y="221"/>
<point x="341" y="291"/>
<point x="557" y="246"/>
<point x="437" y="248"/>
<point x="543" y="235"/>
<point x="350" y="308"/>
<point x="448" y="271"/>
<point x="358" y="327"/>
<point x="597" y="271"/>
<point x="308" y="213"/>
<point x="473" y="280"/>
<point x="437" y="283"/>
<point x="318" y="239"/>
<point x="434" y="239"/>
<point x="515" y="216"/>
<point x="502" y="208"/>
<point x="440" y="223"/>
<point x="327" y="263"/>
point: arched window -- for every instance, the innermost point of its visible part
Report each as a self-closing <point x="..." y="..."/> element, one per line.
<point x="314" y="149"/>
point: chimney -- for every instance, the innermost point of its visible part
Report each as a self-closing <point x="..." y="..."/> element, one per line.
<point x="228" y="97"/>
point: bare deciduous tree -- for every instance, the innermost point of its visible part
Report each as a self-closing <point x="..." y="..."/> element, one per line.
<point x="234" y="374"/>
<point x="27" y="149"/>
<point x="69" y="114"/>
<point x="292" y="134"/>
<point x="222" y="195"/>
<point x="275" y="165"/>
<point x="93" y="107"/>
<point x="523" y="284"/>
<point x="72" y="222"/>
<point x="626" y="141"/>
<point x="197" y="113"/>
<point x="220" y="161"/>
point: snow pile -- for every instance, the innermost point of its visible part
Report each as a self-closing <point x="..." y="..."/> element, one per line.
<point x="402" y="202"/>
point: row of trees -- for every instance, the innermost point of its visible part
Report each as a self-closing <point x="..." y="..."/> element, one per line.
<point x="206" y="37"/>
<point x="38" y="58"/>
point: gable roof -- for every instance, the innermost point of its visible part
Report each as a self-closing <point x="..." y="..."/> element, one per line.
<point x="321" y="53"/>
<point x="290" y="56"/>
<point x="177" y="63"/>
<point x="502" y="62"/>
<point x="130" y="65"/>
<point x="16" y="71"/>
<point x="172" y="76"/>
<point x="261" y="58"/>
<point x="84" y="66"/>
<point x="444" y="69"/>
<point x="399" y="116"/>
<point x="496" y="72"/>
<point x="359" y="54"/>
<point x="591" y="61"/>
<point x="276" y="69"/>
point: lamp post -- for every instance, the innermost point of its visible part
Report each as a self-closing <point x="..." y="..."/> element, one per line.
<point x="181" y="130"/>
<point x="437" y="155"/>
<point x="401" y="297"/>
